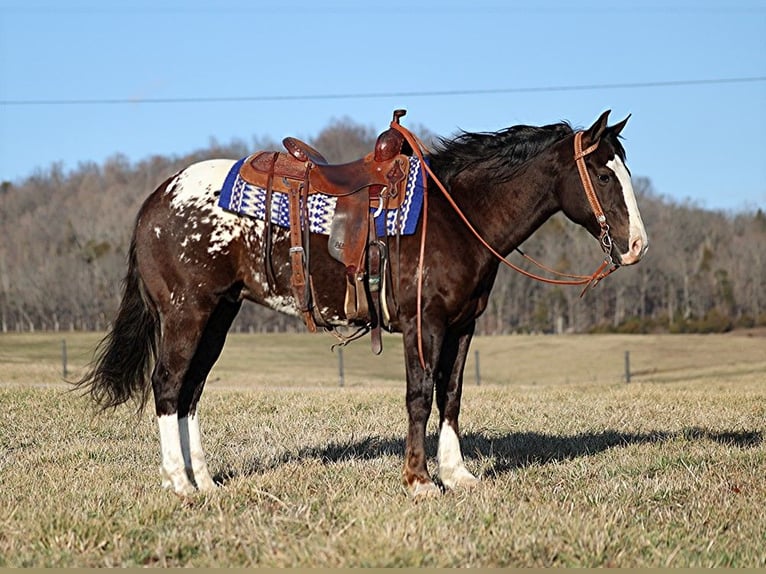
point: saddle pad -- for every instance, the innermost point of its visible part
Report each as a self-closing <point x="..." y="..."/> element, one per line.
<point x="243" y="198"/>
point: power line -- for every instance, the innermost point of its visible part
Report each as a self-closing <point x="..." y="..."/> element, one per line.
<point x="359" y="96"/>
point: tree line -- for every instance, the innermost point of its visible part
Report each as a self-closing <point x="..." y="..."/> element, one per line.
<point x="65" y="237"/>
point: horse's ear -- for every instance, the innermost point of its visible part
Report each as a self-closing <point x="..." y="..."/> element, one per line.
<point x="617" y="128"/>
<point x="594" y="132"/>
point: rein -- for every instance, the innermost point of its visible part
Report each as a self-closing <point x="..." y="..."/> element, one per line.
<point x="605" y="238"/>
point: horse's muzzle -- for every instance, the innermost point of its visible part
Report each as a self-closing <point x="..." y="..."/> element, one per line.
<point x="638" y="247"/>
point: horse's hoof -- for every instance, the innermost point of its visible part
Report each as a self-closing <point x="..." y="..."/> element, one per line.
<point x="181" y="487"/>
<point x="467" y="482"/>
<point x="206" y="484"/>
<point x="461" y="478"/>
<point x="423" y="490"/>
<point x="184" y="491"/>
<point x="208" y="488"/>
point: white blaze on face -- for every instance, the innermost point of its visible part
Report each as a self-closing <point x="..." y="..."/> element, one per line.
<point x="638" y="242"/>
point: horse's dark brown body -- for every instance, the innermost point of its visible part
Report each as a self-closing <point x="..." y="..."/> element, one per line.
<point x="192" y="264"/>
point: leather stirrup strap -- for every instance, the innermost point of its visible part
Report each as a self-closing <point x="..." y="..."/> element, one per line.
<point x="268" y="247"/>
<point x="306" y="232"/>
<point x="298" y="283"/>
<point x="374" y="280"/>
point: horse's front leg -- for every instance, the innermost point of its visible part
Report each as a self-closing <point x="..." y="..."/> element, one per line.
<point x="420" y="391"/>
<point x="449" y="388"/>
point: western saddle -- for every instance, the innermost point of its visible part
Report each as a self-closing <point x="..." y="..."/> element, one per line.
<point x="375" y="181"/>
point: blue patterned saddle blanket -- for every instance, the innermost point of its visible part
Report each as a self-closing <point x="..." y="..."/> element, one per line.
<point x="241" y="197"/>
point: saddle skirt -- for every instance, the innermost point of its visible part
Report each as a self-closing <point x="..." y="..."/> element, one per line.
<point x="247" y="199"/>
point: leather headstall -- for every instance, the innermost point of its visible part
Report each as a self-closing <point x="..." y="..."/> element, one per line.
<point x="587" y="184"/>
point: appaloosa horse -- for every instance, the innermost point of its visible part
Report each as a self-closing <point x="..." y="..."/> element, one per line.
<point x="191" y="264"/>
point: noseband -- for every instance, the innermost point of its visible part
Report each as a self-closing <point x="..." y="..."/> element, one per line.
<point x="605" y="239"/>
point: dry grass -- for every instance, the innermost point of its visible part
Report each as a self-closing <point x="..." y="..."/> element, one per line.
<point x="578" y="469"/>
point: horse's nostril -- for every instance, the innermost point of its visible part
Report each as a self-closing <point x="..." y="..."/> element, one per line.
<point x="637" y="247"/>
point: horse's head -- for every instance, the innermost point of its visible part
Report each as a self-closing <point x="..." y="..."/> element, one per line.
<point x="598" y="194"/>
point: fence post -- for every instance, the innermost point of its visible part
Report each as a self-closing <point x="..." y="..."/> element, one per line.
<point x="63" y="357"/>
<point x="627" y="366"/>
<point x="341" y="375"/>
<point x="478" y="370"/>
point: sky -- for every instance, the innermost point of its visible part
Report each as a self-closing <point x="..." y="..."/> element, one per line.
<point x="82" y="81"/>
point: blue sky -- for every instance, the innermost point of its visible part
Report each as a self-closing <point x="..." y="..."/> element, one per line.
<point x="272" y="69"/>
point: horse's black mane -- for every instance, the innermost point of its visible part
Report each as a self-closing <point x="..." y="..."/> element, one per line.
<point x="501" y="152"/>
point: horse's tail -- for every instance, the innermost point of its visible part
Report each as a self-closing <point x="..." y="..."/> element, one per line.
<point x="123" y="359"/>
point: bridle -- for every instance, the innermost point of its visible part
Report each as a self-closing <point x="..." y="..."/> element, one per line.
<point x="606" y="268"/>
<point x="587" y="184"/>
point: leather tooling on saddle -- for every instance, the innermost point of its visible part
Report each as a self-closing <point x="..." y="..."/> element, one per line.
<point x="354" y="204"/>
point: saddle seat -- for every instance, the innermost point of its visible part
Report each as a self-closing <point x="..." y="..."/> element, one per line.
<point x="348" y="178"/>
<point x="375" y="181"/>
<point x="338" y="180"/>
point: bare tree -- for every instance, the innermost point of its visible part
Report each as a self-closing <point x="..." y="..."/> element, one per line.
<point x="65" y="242"/>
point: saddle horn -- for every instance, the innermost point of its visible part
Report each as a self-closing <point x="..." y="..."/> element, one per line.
<point x="389" y="143"/>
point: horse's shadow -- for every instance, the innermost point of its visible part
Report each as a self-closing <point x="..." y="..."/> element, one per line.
<point x="504" y="453"/>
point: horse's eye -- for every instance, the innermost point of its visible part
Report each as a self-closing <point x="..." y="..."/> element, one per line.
<point x="604" y="178"/>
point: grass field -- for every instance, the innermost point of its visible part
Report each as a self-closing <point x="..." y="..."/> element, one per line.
<point x="578" y="468"/>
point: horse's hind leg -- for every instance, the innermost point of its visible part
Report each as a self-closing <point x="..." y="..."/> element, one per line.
<point x="182" y="328"/>
<point x="419" y="398"/>
<point x="208" y="350"/>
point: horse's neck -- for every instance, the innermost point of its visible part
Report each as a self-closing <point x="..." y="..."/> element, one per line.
<point x="509" y="212"/>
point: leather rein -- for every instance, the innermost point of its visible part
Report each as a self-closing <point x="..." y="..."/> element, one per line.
<point x="606" y="268"/>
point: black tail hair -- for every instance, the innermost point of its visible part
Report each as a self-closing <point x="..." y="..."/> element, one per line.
<point x="123" y="360"/>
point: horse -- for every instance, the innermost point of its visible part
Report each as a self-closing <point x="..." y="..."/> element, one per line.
<point x="191" y="264"/>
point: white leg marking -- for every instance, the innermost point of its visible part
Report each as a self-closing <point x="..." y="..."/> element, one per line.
<point x="452" y="470"/>
<point x="194" y="455"/>
<point x="638" y="241"/>
<point x="173" y="469"/>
